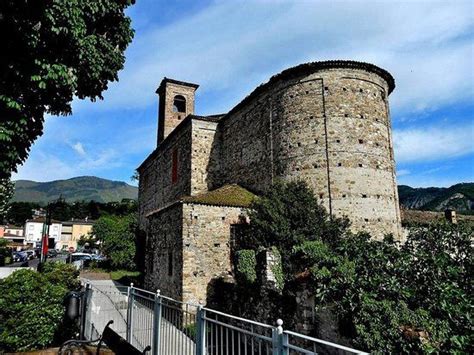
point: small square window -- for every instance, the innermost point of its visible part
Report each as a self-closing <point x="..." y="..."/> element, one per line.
<point x="361" y="141"/>
<point x="339" y="164"/>
<point x="364" y="196"/>
<point x="338" y="141"/>
<point x="366" y="219"/>
<point x="361" y="165"/>
<point x="321" y="195"/>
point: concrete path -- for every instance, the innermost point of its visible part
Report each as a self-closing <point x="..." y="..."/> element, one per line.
<point x="109" y="301"/>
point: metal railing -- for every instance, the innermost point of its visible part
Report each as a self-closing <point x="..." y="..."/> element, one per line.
<point x="172" y="327"/>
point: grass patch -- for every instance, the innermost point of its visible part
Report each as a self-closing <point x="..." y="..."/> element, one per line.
<point x="126" y="277"/>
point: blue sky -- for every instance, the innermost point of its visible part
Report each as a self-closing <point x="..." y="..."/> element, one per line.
<point x="230" y="47"/>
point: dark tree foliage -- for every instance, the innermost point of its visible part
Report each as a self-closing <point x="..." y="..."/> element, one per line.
<point x="53" y="50"/>
<point x="384" y="296"/>
<point x="288" y="215"/>
<point x="7" y="189"/>
<point x="19" y="212"/>
<point x="117" y="238"/>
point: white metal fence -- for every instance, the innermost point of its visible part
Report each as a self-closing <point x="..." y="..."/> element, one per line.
<point x="172" y="327"/>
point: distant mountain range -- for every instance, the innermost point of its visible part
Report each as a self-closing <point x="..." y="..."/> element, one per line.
<point x="83" y="188"/>
<point x="459" y="197"/>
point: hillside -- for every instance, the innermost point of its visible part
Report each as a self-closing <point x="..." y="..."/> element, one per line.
<point x="83" y="188"/>
<point x="459" y="197"/>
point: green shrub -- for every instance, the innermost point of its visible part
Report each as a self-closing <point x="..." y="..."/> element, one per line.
<point x="31" y="306"/>
<point x="117" y="238"/>
<point x="246" y="265"/>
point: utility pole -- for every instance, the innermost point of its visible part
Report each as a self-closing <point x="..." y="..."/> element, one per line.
<point x="45" y="235"/>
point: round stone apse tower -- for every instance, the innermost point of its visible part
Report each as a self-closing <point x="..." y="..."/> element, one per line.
<point x="327" y="123"/>
<point x="335" y="133"/>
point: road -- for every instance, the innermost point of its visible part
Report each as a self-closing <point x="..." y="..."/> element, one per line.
<point x="34" y="262"/>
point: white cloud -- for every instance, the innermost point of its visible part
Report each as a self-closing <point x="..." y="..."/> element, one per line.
<point x="43" y="166"/>
<point x="231" y="47"/>
<point x="79" y="149"/>
<point x="433" y="143"/>
<point x="403" y="172"/>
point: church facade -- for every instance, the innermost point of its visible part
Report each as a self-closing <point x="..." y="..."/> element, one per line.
<point x="327" y="123"/>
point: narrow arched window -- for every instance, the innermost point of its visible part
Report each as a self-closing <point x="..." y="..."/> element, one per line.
<point x="179" y="104"/>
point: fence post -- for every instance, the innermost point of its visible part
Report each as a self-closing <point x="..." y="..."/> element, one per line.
<point x="277" y="338"/>
<point x="201" y="331"/>
<point x="157" y="324"/>
<point x="130" y="313"/>
<point x="85" y="303"/>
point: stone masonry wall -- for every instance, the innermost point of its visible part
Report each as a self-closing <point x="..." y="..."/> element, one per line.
<point x="204" y="159"/>
<point x="164" y="259"/>
<point x="168" y="119"/>
<point x="156" y="188"/>
<point x="331" y="128"/>
<point x="206" y="247"/>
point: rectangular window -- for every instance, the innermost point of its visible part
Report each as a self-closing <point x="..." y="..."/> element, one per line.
<point x="170" y="264"/>
<point x="174" y="166"/>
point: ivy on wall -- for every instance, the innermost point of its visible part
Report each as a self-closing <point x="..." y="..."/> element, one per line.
<point x="246" y="265"/>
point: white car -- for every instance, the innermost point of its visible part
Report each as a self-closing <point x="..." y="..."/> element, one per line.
<point x="79" y="259"/>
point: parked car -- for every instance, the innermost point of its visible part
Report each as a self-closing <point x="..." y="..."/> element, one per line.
<point x="30" y="254"/>
<point x="20" y="256"/>
<point x="52" y="253"/>
<point x="80" y="260"/>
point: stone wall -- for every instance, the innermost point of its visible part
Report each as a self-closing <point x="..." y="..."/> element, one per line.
<point x="204" y="158"/>
<point x="168" y="118"/>
<point x="164" y="258"/>
<point x="156" y="188"/>
<point x="207" y="234"/>
<point x="197" y="239"/>
<point x="331" y="128"/>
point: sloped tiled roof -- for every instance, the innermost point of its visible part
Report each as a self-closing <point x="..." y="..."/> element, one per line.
<point x="228" y="195"/>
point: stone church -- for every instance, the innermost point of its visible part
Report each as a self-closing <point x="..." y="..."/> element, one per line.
<point x="327" y="123"/>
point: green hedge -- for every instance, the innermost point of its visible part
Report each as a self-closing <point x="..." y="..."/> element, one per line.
<point x="246" y="265"/>
<point x="31" y="307"/>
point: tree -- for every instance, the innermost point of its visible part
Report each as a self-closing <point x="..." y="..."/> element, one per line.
<point x="288" y="215"/>
<point x="383" y="296"/>
<point x="6" y="193"/>
<point x="19" y="212"/>
<point x="117" y="239"/>
<point x="52" y="51"/>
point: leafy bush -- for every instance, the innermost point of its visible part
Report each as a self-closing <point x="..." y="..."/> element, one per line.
<point x="387" y="297"/>
<point x="31" y="306"/>
<point x="117" y="237"/>
<point x="246" y="265"/>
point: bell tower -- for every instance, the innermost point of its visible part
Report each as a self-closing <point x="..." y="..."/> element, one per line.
<point x="176" y="101"/>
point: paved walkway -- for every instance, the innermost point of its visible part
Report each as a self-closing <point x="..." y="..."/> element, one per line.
<point x="109" y="301"/>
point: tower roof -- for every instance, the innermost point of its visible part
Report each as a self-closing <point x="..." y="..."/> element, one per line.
<point x="173" y="81"/>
